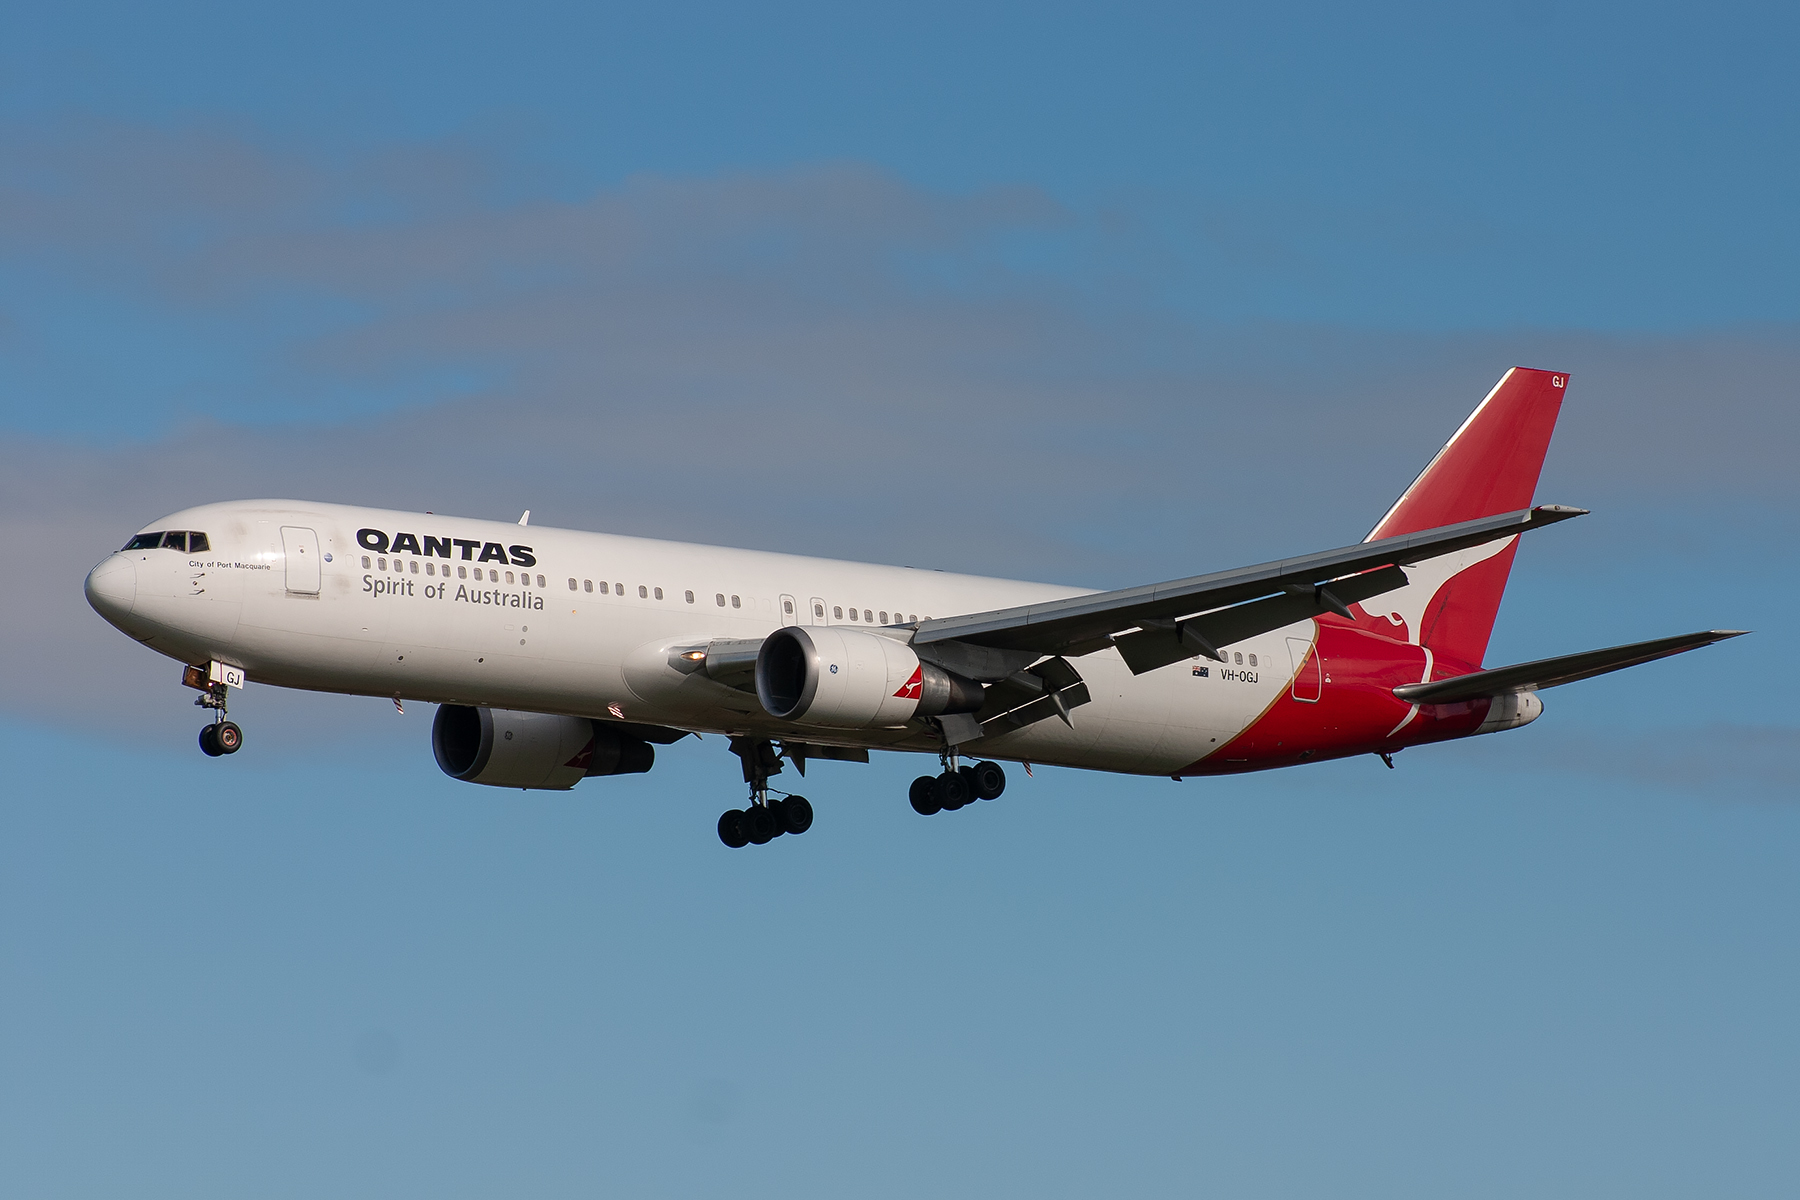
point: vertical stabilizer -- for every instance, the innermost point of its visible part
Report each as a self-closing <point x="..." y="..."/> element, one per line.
<point x="1489" y="466"/>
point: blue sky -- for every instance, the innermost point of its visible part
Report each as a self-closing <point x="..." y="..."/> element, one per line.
<point x="1085" y="295"/>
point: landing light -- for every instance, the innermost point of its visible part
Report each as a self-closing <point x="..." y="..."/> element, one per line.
<point x="695" y="656"/>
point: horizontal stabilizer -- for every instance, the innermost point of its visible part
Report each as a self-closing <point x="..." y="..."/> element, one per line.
<point x="1549" y="672"/>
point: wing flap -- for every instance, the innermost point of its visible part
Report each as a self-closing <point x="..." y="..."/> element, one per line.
<point x="1088" y="622"/>
<point x="1550" y="672"/>
<point x="1158" y="645"/>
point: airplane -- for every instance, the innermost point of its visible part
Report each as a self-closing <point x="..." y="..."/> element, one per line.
<point x="555" y="655"/>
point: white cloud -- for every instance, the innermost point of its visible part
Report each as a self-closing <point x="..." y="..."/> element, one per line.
<point x="827" y="360"/>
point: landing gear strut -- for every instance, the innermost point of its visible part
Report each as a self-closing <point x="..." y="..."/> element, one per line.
<point x="766" y="817"/>
<point x="222" y="736"/>
<point x="957" y="787"/>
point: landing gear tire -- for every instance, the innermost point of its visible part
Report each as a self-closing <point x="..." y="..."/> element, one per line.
<point x="796" y="814"/>
<point x="924" y="797"/>
<point x="209" y="741"/>
<point x="989" y="780"/>
<point x="733" y="831"/>
<point x="759" y="825"/>
<point x="954" y="790"/>
<point x="229" y="737"/>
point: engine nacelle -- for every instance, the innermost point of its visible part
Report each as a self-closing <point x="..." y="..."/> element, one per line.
<point x="851" y="679"/>
<point x="503" y="748"/>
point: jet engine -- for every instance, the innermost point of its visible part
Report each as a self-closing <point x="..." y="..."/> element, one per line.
<point x="852" y="679"/>
<point x="503" y="748"/>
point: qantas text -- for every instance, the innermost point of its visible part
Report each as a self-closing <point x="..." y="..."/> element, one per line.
<point x="405" y="543"/>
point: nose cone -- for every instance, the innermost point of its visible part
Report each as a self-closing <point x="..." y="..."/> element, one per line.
<point x="112" y="588"/>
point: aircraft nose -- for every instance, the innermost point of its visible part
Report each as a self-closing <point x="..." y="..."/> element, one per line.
<point x="112" y="588"/>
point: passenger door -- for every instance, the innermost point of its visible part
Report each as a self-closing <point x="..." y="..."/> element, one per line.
<point x="303" y="569"/>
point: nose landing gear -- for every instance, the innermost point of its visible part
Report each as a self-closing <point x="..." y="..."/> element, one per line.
<point x="222" y="736"/>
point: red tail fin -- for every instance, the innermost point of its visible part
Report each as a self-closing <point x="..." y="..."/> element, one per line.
<point x="1490" y="466"/>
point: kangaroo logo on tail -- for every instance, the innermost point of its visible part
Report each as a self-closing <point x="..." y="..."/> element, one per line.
<point x="1489" y="466"/>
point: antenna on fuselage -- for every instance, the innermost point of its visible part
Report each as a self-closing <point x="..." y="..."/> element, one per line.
<point x="526" y="518"/>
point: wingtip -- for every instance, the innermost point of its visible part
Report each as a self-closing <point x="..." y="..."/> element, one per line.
<point x="1558" y="512"/>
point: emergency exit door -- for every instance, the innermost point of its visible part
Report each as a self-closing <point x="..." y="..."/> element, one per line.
<point x="1309" y="679"/>
<point x="303" y="569"/>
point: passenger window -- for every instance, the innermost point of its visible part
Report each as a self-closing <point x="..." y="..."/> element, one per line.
<point x="690" y="596"/>
<point x="144" y="541"/>
<point x="572" y="586"/>
<point x="868" y="616"/>
<point x="413" y="565"/>
<point x="365" y="562"/>
<point x="462" y="572"/>
<point x="884" y="617"/>
<point x="587" y="585"/>
<point x="912" y="617"/>
<point x="602" y="587"/>
<point x="659" y="593"/>
<point x="381" y="564"/>
<point x="643" y="592"/>
<point x="837" y="613"/>
<point x="174" y="541"/>
<point x="720" y="598"/>
<point x="736" y="603"/>
<point x="787" y="606"/>
<point x="197" y="544"/>
<point x="1253" y="660"/>
<point x="509" y="577"/>
<point x="1240" y="658"/>
<point x="819" y="611"/>
<point x="618" y="588"/>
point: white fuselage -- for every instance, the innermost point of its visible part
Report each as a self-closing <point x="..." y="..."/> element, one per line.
<point x="588" y="627"/>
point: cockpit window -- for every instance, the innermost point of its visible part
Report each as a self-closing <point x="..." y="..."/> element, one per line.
<point x="192" y="543"/>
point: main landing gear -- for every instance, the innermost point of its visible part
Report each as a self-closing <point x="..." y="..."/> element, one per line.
<point x="766" y="817"/>
<point x="222" y="736"/>
<point x="956" y="787"/>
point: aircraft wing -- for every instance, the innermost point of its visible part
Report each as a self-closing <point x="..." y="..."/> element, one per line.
<point x="1549" y="672"/>
<point x="1161" y="623"/>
